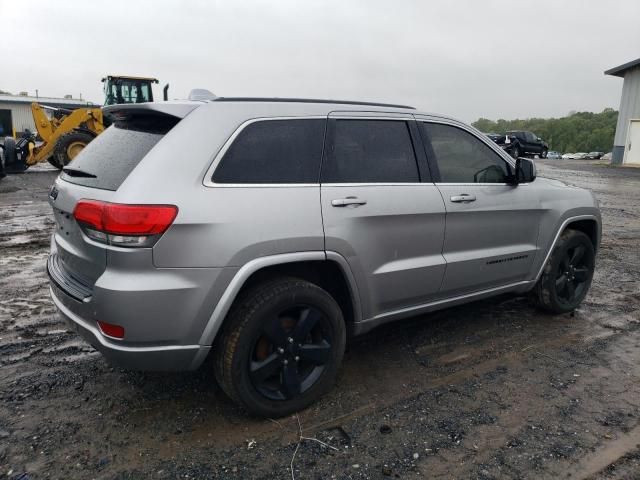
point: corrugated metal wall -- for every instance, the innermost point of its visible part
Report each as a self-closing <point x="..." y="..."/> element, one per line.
<point x="21" y="116"/>
<point x="629" y="108"/>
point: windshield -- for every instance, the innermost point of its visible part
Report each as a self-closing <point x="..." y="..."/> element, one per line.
<point x="122" y="91"/>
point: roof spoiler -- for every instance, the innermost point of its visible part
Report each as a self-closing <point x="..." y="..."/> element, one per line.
<point x="175" y="109"/>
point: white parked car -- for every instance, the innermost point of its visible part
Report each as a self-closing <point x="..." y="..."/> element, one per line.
<point x="568" y="156"/>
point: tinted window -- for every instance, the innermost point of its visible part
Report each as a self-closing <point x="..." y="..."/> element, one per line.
<point x="112" y="156"/>
<point x="274" y="151"/>
<point x="366" y="151"/>
<point x="463" y="158"/>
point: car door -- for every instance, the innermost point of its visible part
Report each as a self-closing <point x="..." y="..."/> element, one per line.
<point x="378" y="214"/>
<point x="533" y="144"/>
<point x="491" y="225"/>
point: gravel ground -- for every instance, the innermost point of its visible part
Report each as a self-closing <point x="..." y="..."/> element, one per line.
<point x="493" y="389"/>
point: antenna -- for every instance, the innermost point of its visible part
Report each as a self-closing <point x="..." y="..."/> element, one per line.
<point x="201" y="94"/>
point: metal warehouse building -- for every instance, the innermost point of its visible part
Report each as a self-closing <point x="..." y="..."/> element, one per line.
<point x="15" y="111"/>
<point x="626" y="144"/>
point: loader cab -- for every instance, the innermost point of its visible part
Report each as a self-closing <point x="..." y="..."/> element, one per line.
<point x="125" y="90"/>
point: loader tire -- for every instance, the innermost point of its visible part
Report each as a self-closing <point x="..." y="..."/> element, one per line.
<point x="68" y="147"/>
<point x="10" y="155"/>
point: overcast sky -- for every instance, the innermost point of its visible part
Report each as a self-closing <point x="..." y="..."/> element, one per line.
<point x="465" y="58"/>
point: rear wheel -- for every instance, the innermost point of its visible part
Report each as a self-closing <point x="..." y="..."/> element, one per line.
<point x="68" y="147"/>
<point x="567" y="275"/>
<point x="281" y="347"/>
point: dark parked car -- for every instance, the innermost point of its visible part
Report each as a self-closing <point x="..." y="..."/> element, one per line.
<point x="519" y="142"/>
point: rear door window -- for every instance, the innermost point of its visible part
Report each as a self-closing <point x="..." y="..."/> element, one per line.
<point x="370" y="151"/>
<point x="274" y="151"/>
<point x="109" y="159"/>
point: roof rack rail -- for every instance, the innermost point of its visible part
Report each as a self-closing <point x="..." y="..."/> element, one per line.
<point x="307" y="100"/>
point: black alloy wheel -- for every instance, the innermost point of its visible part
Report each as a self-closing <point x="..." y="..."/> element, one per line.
<point x="280" y="347"/>
<point x="291" y="353"/>
<point x="567" y="275"/>
<point x="572" y="274"/>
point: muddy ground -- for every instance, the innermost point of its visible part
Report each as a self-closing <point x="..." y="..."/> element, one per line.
<point x="493" y="389"/>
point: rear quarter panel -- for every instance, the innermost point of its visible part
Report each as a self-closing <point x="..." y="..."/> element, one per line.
<point x="221" y="226"/>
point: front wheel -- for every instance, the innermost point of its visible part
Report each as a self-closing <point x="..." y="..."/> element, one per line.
<point x="69" y="147"/>
<point x="567" y="275"/>
<point x="515" y="152"/>
<point x="281" y="347"/>
<point x="543" y="154"/>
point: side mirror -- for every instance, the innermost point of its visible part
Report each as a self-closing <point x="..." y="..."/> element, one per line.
<point x="525" y="171"/>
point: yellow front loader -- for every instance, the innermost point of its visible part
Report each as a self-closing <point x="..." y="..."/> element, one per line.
<point x="64" y="135"/>
<point x="66" y="132"/>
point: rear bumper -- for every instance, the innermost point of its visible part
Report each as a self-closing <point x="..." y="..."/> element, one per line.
<point x="156" y="357"/>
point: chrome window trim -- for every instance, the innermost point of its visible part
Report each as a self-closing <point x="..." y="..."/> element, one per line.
<point x="502" y="184"/>
<point x="381" y="184"/>
<point x="207" y="180"/>
<point x="337" y="115"/>
<point x="369" y="116"/>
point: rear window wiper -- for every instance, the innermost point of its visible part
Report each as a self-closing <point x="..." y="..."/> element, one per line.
<point x="75" y="172"/>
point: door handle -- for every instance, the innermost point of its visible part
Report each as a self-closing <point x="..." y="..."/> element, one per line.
<point x="464" y="198"/>
<point x="349" y="201"/>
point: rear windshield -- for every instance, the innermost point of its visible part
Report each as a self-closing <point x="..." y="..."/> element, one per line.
<point x="109" y="159"/>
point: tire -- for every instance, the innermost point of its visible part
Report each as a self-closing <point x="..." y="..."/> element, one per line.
<point x="515" y="152"/>
<point x="10" y="155"/>
<point x="266" y="328"/>
<point x="68" y="146"/>
<point x="567" y="275"/>
<point x="543" y="154"/>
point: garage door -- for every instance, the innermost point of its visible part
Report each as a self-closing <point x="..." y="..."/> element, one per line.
<point x="632" y="154"/>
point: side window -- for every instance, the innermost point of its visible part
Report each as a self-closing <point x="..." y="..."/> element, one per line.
<point x="370" y="151"/>
<point x="531" y="137"/>
<point x="274" y="151"/>
<point x="463" y="158"/>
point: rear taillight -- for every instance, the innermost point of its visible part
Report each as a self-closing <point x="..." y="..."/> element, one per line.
<point x="124" y="225"/>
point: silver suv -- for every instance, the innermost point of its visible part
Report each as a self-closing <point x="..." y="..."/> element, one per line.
<point x="261" y="232"/>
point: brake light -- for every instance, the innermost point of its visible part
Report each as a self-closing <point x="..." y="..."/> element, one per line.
<point x="124" y="225"/>
<point x="111" y="330"/>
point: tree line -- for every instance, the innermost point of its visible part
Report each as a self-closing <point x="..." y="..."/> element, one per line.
<point x="577" y="132"/>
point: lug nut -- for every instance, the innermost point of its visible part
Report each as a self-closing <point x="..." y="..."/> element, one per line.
<point x="285" y="362"/>
<point x="280" y="350"/>
<point x="290" y="340"/>
<point x="297" y="358"/>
